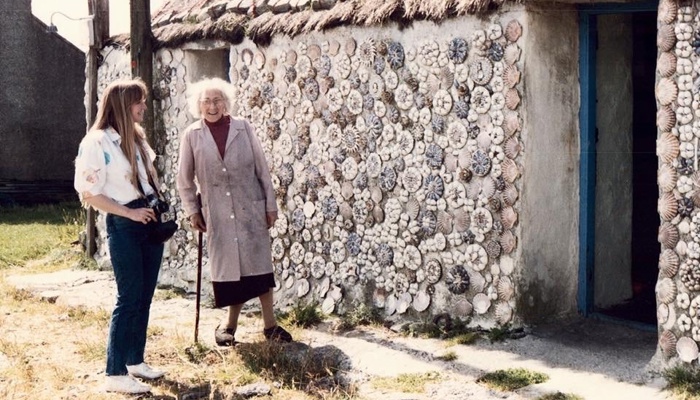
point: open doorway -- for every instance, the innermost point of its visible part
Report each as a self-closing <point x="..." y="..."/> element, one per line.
<point x="622" y="267"/>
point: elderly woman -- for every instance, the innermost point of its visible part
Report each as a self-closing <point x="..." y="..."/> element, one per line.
<point x="222" y="157"/>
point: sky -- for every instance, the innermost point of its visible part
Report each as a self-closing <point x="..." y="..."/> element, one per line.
<point x="77" y="31"/>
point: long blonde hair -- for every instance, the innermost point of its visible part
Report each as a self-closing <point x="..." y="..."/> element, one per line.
<point x="115" y="111"/>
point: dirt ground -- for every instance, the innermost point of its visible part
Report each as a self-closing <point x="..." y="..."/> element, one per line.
<point x="589" y="358"/>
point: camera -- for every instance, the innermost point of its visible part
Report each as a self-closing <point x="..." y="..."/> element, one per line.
<point x="160" y="207"/>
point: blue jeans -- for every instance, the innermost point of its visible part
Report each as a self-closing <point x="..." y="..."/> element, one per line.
<point x="136" y="263"/>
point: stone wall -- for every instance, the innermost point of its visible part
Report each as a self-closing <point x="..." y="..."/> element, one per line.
<point x="41" y="102"/>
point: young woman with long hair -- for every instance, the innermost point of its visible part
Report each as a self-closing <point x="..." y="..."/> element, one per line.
<point x="114" y="173"/>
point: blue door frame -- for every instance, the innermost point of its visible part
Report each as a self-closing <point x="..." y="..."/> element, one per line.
<point x="588" y="28"/>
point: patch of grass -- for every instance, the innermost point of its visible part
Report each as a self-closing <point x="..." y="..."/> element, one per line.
<point x="512" y="379"/>
<point x="303" y="315"/>
<point x="197" y="352"/>
<point x="360" y="316"/>
<point x="169" y="293"/>
<point x="32" y="233"/>
<point x="84" y="316"/>
<point x="21" y="366"/>
<point x="466" y="338"/>
<point x="86" y="263"/>
<point x="443" y="326"/>
<point x="309" y="368"/>
<point x="684" y="382"/>
<point x="92" y="349"/>
<point x="20" y="295"/>
<point x="407" y="383"/>
<point x="449" y="356"/>
<point x="560" y="396"/>
<point x="154" y="330"/>
<point x="499" y="334"/>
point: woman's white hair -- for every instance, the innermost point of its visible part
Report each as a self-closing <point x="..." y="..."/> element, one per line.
<point x="196" y="90"/>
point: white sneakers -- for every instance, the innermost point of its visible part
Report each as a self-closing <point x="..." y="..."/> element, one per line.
<point x="127" y="383"/>
<point x="124" y="384"/>
<point x="144" y="371"/>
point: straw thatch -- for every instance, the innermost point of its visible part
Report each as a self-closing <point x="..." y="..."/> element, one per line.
<point x="373" y="12"/>
<point x="181" y="21"/>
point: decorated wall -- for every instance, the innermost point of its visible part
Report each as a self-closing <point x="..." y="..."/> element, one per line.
<point x="395" y="155"/>
<point x="678" y="101"/>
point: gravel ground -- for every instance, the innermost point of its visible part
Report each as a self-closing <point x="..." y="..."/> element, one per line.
<point x="593" y="359"/>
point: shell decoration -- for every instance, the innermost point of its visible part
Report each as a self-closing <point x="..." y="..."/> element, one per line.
<point x="512" y="124"/>
<point x="666" y="64"/>
<point x="667" y="147"/>
<point x="512" y="99"/>
<point x="511" y="76"/>
<point x="668" y="235"/>
<point x="503" y="313"/>
<point x="666" y="290"/>
<point x="665" y="38"/>
<point x="666" y="91"/>
<point x="481" y="303"/>
<point x="508" y="241"/>
<point x="481" y="71"/>
<point x="421" y="301"/>
<point x="511" y="54"/>
<point x="667" y="12"/>
<point x="687" y="349"/>
<point x="667" y="343"/>
<point x="505" y="289"/>
<point x="667" y="177"/>
<point x="667" y="206"/>
<point x="668" y="263"/>
<point x="513" y="31"/>
<point x="457" y="279"/>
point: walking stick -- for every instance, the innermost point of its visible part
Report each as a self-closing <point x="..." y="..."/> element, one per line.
<point x="199" y="286"/>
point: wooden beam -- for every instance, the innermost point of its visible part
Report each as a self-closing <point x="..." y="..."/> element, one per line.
<point x="99" y="9"/>
<point x="141" y="38"/>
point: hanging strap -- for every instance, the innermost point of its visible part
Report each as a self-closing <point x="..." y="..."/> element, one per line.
<point x="148" y="175"/>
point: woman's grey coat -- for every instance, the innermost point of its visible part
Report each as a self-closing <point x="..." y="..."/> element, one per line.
<point x="236" y="194"/>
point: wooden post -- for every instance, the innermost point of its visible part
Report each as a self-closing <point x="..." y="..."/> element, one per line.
<point x="141" y="37"/>
<point x="99" y="9"/>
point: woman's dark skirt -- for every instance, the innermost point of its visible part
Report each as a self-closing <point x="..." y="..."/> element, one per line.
<point x="238" y="292"/>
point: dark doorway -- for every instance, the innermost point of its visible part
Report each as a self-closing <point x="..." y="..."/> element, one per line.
<point x="632" y="297"/>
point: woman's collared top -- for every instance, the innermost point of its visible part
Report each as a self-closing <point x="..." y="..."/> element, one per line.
<point x="102" y="168"/>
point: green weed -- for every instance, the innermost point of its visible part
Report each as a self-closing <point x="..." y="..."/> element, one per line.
<point x="449" y="356"/>
<point x="360" y="316"/>
<point x="684" y="382"/>
<point x="303" y="315"/>
<point x="512" y="379"/>
<point x="560" y="396"/>
<point x="406" y="383"/>
<point x="298" y="369"/>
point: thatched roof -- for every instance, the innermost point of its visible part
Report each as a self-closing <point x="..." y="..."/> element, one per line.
<point x="181" y="21"/>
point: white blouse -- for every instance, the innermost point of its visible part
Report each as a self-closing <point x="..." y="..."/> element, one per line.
<point x="102" y="168"/>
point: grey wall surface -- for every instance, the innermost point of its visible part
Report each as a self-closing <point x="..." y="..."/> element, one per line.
<point x="42" y="116"/>
<point x="549" y="216"/>
<point x="613" y="208"/>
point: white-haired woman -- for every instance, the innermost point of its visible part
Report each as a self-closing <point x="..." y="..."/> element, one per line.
<point x="225" y="159"/>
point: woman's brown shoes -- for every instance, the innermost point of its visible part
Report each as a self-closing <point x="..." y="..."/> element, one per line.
<point x="224" y="336"/>
<point x="278" y="334"/>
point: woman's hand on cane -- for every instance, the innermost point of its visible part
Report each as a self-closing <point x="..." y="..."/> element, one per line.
<point x="197" y="222"/>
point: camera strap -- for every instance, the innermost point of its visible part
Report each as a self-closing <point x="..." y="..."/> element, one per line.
<point x="151" y="179"/>
<point x="143" y="192"/>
